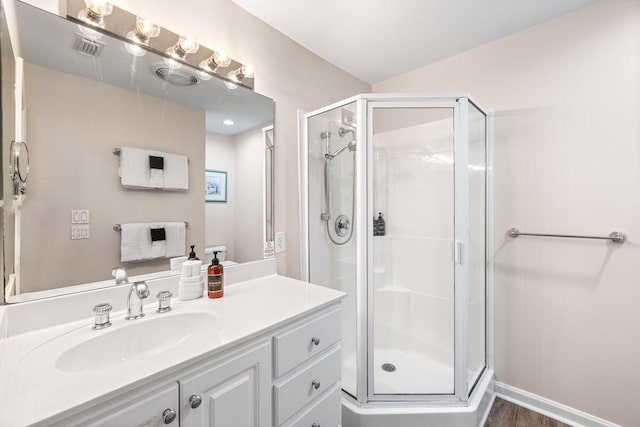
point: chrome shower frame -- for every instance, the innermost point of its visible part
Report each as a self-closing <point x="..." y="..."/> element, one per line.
<point x="464" y="395"/>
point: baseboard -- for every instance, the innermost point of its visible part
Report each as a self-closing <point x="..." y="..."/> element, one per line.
<point x="549" y="408"/>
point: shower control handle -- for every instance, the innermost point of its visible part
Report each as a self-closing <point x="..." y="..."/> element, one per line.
<point x="315" y="341"/>
<point x="315" y="384"/>
<point x="315" y="425"/>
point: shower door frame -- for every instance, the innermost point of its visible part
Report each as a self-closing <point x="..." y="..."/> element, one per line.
<point x="463" y="392"/>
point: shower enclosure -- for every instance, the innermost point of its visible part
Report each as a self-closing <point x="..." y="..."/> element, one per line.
<point x="416" y="324"/>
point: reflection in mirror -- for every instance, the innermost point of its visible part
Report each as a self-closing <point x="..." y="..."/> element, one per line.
<point x="79" y="106"/>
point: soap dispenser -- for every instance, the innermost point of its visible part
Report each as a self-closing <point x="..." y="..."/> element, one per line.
<point x="215" y="278"/>
<point x="192" y="254"/>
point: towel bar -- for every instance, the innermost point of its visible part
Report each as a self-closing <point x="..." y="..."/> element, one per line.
<point x="117" y="227"/>
<point x="116" y="152"/>
<point x="614" y="236"/>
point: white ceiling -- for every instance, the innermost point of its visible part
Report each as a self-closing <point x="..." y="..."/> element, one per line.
<point x="378" y="39"/>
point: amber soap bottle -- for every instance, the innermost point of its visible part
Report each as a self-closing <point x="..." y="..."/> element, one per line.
<point x="215" y="278"/>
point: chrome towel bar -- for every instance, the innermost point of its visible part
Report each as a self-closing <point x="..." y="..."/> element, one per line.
<point x="117" y="227"/>
<point x="614" y="236"/>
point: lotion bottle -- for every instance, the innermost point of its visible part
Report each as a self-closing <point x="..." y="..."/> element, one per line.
<point x="215" y="278"/>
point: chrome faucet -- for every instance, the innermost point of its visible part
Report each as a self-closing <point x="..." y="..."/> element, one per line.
<point x="137" y="292"/>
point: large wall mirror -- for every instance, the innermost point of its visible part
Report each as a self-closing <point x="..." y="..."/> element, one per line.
<point x="76" y="101"/>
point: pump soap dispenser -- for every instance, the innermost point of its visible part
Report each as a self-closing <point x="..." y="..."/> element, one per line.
<point x="215" y="278"/>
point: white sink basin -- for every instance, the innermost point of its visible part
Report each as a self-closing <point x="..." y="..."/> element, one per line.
<point x="138" y="339"/>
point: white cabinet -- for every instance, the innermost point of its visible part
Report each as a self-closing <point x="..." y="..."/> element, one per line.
<point x="234" y="392"/>
<point x="152" y="409"/>
<point x="289" y="377"/>
<point x="306" y="391"/>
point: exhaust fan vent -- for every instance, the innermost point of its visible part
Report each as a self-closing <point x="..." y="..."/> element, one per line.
<point x="87" y="47"/>
<point x="176" y="76"/>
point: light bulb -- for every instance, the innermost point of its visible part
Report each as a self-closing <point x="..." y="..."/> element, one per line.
<point x="188" y="45"/>
<point x="98" y="8"/>
<point x="146" y="29"/>
<point x="228" y="122"/>
<point x="221" y="59"/>
<point x="248" y="70"/>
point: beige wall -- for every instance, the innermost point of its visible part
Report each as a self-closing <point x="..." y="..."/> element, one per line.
<point x="220" y="217"/>
<point x="237" y="224"/>
<point x="72" y="127"/>
<point x="567" y="101"/>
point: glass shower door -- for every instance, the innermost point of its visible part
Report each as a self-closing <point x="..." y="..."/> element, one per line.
<point x="412" y="248"/>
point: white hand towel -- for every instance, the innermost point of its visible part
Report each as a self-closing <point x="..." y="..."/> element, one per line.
<point x="188" y="269"/>
<point x="187" y="291"/>
<point x="176" y="172"/>
<point x="156" y="176"/>
<point x="176" y="238"/>
<point x="190" y="280"/>
<point x="135" y="242"/>
<point x="196" y="268"/>
<point x="134" y="167"/>
<point x="159" y="247"/>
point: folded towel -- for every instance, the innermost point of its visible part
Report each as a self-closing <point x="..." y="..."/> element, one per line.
<point x="187" y="291"/>
<point x="134" y="168"/>
<point x="176" y="263"/>
<point x="191" y="268"/>
<point x="176" y="172"/>
<point x="135" y="242"/>
<point x="190" y="280"/>
<point x="175" y="238"/>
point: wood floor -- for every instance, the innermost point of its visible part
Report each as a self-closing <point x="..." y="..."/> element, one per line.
<point x="507" y="414"/>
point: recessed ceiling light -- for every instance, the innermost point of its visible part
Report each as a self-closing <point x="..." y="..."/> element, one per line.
<point x="228" y="122"/>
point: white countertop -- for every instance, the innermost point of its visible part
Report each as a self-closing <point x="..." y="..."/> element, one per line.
<point x="32" y="389"/>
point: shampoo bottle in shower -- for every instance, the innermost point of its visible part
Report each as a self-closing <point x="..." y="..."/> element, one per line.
<point x="380" y="225"/>
<point x="215" y="278"/>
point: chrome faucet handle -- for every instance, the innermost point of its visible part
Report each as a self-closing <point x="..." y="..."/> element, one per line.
<point x="102" y="316"/>
<point x="164" y="301"/>
<point x="120" y="274"/>
<point x="142" y="289"/>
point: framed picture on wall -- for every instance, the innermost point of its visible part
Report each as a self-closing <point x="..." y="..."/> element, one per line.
<point x="215" y="186"/>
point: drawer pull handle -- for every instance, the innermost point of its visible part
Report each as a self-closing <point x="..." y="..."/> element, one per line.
<point x="315" y="384"/>
<point x="315" y="340"/>
<point x="315" y="425"/>
<point x="169" y="415"/>
<point x="195" y="401"/>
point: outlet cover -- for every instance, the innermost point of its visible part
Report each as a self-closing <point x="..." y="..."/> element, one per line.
<point x="280" y="246"/>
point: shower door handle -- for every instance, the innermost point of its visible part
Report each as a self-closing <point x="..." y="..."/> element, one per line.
<point x="457" y="252"/>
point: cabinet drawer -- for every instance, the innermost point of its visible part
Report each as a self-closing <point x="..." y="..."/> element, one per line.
<point x="327" y="412"/>
<point x="300" y="390"/>
<point x="295" y="346"/>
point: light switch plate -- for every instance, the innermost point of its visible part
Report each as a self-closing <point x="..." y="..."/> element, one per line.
<point x="280" y="246"/>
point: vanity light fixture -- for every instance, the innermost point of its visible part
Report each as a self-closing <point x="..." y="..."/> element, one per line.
<point x="218" y="59"/>
<point x="95" y="18"/>
<point x="228" y="122"/>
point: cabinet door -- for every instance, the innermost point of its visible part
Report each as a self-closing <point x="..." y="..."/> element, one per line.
<point x="233" y="393"/>
<point x="149" y="410"/>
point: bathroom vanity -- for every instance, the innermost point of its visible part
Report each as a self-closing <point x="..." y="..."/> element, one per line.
<point x="267" y="353"/>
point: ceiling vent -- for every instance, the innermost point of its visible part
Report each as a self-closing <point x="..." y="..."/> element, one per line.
<point x="88" y="47"/>
<point x="176" y="76"/>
